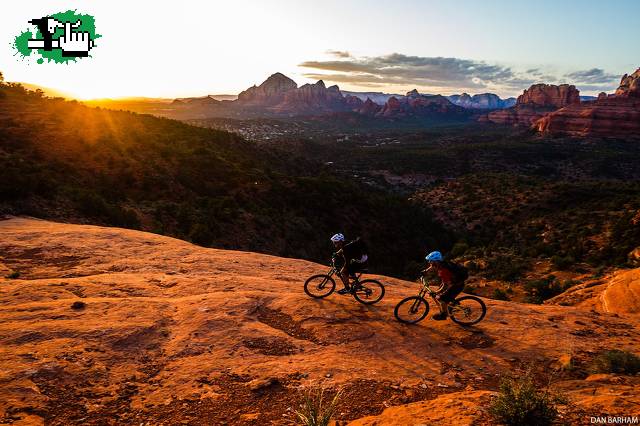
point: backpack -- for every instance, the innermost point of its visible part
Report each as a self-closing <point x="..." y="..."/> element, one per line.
<point x="459" y="272"/>
<point x="357" y="248"/>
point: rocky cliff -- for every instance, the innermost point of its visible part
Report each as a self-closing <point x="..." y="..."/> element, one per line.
<point x="279" y="95"/>
<point x="629" y="86"/>
<point x="615" y="115"/>
<point x="313" y="98"/>
<point x="270" y="92"/>
<point x="550" y="95"/>
<point x="534" y="103"/>
<point x="369" y="108"/>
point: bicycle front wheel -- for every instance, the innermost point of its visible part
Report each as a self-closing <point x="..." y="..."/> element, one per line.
<point x="319" y="286"/>
<point x="411" y="310"/>
<point x="369" y="292"/>
<point x="467" y="310"/>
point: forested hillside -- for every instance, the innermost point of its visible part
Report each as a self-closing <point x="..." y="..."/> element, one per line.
<point x="63" y="160"/>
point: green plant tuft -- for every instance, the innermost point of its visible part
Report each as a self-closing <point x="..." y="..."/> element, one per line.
<point x="315" y="410"/>
<point x="616" y="361"/>
<point x="499" y="294"/>
<point x="521" y="403"/>
<point x="540" y="290"/>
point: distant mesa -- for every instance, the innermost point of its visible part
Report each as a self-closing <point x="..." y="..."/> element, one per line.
<point x="369" y="108"/>
<point x="609" y="115"/>
<point x="354" y="102"/>
<point x="534" y="103"/>
<point x="279" y="95"/>
<point x="482" y="101"/>
<point x="413" y="94"/>
<point x="547" y="108"/>
<point x="379" y="98"/>
<point x="550" y="95"/>
<point x="203" y="100"/>
<point x="415" y="104"/>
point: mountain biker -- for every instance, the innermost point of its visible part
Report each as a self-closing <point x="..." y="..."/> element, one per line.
<point x="452" y="276"/>
<point x="355" y="258"/>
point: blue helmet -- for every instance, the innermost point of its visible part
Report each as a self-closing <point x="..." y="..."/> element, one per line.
<point x="434" y="256"/>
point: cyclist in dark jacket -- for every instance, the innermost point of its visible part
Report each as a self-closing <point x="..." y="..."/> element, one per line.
<point x="355" y="258"/>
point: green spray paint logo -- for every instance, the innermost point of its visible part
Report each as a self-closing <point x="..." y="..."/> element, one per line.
<point x="59" y="38"/>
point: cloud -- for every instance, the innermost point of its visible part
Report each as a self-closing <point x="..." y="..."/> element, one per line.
<point x="592" y="76"/>
<point x="338" y="53"/>
<point x="397" y="69"/>
<point x="445" y="75"/>
<point x="593" y="80"/>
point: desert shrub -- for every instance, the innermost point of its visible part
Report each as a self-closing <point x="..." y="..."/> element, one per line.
<point x="540" y="290"/>
<point x="122" y="216"/>
<point x="470" y="289"/>
<point x="520" y="402"/>
<point x="459" y="249"/>
<point x="506" y="268"/>
<point x="201" y="234"/>
<point x="616" y="361"/>
<point x="562" y="262"/>
<point x="500" y="294"/>
<point x="315" y="410"/>
<point x="91" y="203"/>
<point x="13" y="275"/>
<point x="94" y="205"/>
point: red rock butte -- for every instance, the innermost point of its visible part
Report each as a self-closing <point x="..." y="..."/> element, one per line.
<point x="616" y="115"/>
<point x="534" y="103"/>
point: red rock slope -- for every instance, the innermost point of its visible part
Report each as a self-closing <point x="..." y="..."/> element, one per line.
<point x="113" y="326"/>
<point x="617" y="294"/>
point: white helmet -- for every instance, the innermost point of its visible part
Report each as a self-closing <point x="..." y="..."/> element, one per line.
<point x="337" y="237"/>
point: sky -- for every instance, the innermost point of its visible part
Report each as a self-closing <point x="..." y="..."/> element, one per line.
<point x="193" y="48"/>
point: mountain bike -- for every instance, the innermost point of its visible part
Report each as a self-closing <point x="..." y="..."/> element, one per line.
<point x="464" y="310"/>
<point x="367" y="292"/>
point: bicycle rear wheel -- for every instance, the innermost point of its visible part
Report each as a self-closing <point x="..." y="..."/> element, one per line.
<point x="319" y="286"/>
<point x="467" y="310"/>
<point x="411" y="310"/>
<point x="369" y="292"/>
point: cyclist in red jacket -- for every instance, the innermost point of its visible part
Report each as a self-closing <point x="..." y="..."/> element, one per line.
<point x="452" y="276"/>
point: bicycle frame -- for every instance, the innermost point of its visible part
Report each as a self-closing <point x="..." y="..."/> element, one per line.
<point x="334" y="271"/>
<point x="425" y="289"/>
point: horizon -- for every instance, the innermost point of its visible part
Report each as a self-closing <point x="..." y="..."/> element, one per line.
<point x="435" y="47"/>
<point x="58" y="93"/>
